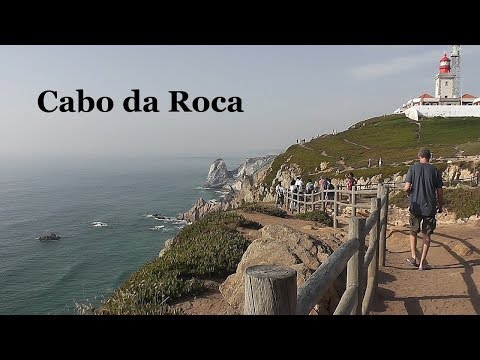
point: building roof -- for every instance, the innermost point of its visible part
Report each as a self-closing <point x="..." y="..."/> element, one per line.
<point x="445" y="57"/>
<point x="425" y="95"/>
<point x="468" y="96"/>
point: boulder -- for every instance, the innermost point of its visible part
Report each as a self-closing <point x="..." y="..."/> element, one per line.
<point x="51" y="236"/>
<point x="282" y="245"/>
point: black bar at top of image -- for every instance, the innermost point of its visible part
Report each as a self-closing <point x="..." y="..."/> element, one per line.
<point x="222" y="38"/>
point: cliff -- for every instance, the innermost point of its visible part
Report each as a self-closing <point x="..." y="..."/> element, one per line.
<point x="220" y="177"/>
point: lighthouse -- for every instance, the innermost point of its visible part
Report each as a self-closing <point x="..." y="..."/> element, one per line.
<point x="445" y="80"/>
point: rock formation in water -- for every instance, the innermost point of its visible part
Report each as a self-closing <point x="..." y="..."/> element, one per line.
<point x="51" y="236"/>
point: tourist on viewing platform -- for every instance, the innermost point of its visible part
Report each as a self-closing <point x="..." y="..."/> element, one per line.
<point x="351" y="183"/>
<point x="293" y="191"/>
<point x="309" y="186"/>
<point x="423" y="185"/>
<point x="330" y="192"/>
<point x="279" y="191"/>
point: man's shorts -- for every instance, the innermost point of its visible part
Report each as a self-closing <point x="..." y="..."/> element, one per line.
<point x="428" y="224"/>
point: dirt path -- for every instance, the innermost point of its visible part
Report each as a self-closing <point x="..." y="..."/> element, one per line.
<point x="351" y="142"/>
<point x="450" y="287"/>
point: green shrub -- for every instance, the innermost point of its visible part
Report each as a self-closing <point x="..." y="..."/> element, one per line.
<point x="264" y="209"/>
<point x="210" y="247"/>
<point x="463" y="202"/>
<point x="318" y="216"/>
<point x="400" y="199"/>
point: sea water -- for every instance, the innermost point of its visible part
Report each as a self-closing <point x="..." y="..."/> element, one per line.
<point x="103" y="212"/>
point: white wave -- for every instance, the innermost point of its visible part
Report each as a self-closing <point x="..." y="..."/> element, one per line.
<point x="180" y="222"/>
<point x="158" y="227"/>
<point x="202" y="188"/>
<point x="148" y="215"/>
<point x="99" y="224"/>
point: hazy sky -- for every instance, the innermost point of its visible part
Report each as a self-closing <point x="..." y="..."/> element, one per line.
<point x="288" y="92"/>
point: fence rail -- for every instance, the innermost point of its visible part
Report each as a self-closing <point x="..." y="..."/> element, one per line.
<point x="362" y="270"/>
<point x="303" y="202"/>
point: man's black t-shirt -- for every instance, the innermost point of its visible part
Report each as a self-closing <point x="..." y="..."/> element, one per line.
<point x="425" y="180"/>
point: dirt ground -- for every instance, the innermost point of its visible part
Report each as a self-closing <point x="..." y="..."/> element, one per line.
<point x="450" y="287"/>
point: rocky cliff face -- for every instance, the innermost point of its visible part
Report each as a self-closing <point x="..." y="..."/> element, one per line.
<point x="282" y="245"/>
<point x="219" y="176"/>
<point x="202" y="207"/>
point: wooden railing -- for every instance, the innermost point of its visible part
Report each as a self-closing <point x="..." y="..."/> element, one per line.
<point x="303" y="202"/>
<point x="268" y="288"/>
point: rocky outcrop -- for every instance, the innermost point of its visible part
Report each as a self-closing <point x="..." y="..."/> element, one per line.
<point x="282" y="245"/>
<point x="217" y="175"/>
<point x="220" y="177"/>
<point x="168" y="244"/>
<point x="202" y="207"/>
<point x="51" y="236"/>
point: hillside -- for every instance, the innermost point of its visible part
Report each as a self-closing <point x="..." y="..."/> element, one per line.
<point x="394" y="138"/>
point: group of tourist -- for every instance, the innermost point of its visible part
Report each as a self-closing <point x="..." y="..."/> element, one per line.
<point x="323" y="186"/>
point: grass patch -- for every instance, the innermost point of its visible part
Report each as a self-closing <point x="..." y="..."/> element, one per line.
<point x="318" y="216"/>
<point x="463" y="202"/>
<point x="394" y="138"/>
<point x="210" y="247"/>
<point x="264" y="209"/>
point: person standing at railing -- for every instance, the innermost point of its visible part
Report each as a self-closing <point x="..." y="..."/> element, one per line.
<point x="424" y="186"/>
<point x="279" y="191"/>
<point x="330" y="192"/>
<point x="293" y="192"/>
<point x="351" y="183"/>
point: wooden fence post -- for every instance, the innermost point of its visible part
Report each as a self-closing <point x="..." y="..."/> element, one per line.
<point x="355" y="264"/>
<point x="353" y="200"/>
<point x="383" y="228"/>
<point x="322" y="198"/>
<point x="334" y="212"/>
<point x="270" y="290"/>
<point x="373" y="267"/>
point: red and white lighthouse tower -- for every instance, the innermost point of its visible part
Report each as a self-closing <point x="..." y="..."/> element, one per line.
<point x="445" y="81"/>
<point x="444" y="64"/>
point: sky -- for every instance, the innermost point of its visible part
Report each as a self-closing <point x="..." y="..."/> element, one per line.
<point x="287" y="93"/>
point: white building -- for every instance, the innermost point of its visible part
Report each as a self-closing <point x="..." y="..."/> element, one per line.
<point x="446" y="102"/>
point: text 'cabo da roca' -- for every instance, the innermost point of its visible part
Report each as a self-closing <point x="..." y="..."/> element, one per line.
<point x="49" y="101"/>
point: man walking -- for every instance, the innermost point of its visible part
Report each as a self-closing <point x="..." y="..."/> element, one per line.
<point x="423" y="186"/>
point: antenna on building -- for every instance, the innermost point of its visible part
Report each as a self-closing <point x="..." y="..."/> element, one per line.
<point x="456" y="70"/>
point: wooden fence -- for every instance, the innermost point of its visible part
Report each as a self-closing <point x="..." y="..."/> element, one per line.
<point x="270" y="289"/>
<point x="334" y="199"/>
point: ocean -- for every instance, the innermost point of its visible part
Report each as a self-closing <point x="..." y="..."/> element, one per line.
<point x="103" y="212"/>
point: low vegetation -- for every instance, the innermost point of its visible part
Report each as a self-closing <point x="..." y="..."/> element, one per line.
<point x="209" y="248"/>
<point x="318" y="216"/>
<point x="264" y="209"/>
<point x="464" y="202"/>
<point x="394" y="138"/>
